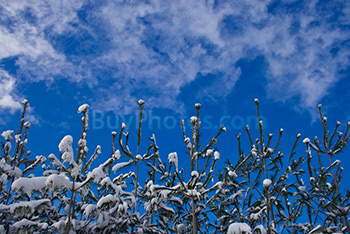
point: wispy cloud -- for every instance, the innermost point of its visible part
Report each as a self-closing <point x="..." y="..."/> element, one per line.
<point x="8" y="99"/>
<point x="125" y="50"/>
<point x="10" y="102"/>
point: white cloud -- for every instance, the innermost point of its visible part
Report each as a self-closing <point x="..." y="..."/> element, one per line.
<point x="10" y="102"/>
<point x="153" y="49"/>
<point x="300" y="60"/>
<point x="7" y="96"/>
<point x="29" y="33"/>
<point x="56" y="15"/>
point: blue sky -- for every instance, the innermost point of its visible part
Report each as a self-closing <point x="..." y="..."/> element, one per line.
<point x="292" y="55"/>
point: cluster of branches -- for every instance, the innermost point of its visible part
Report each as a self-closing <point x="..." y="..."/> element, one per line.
<point x="263" y="191"/>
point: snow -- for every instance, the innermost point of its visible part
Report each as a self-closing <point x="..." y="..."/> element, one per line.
<point x="58" y="182"/>
<point x="107" y="182"/>
<point x="261" y="228"/>
<point x="270" y="150"/>
<point x="267" y="183"/>
<point x="120" y="165"/>
<point x="163" y="206"/>
<point x="216" y="155"/>
<point x="98" y="149"/>
<point x="172" y="157"/>
<point x="55" y="160"/>
<point x="197" y="105"/>
<point x="82" y="143"/>
<point x="97" y="174"/>
<point x="239" y="228"/>
<point x="27" y="208"/>
<point x="140" y="102"/>
<point x="181" y="228"/>
<point x="24" y="101"/>
<point x="12" y="171"/>
<point x="89" y="209"/>
<point x="237" y="194"/>
<point x="8" y="146"/>
<point x="193" y="193"/>
<point x="210" y="152"/>
<point x="123" y="126"/>
<point x="18" y="138"/>
<point x="256" y="216"/>
<point x="306" y="140"/>
<point x="316" y="229"/>
<point x="218" y="185"/>
<point x="193" y="119"/>
<point x="164" y="193"/>
<point x="116" y="154"/>
<point x="7" y="135"/>
<point x="112" y="200"/>
<point x="66" y="143"/>
<point x="59" y="225"/>
<point x="232" y="174"/>
<point x="65" y="147"/>
<point x="83" y="108"/>
<point x="189" y="145"/>
<point x="27" y="223"/>
<point x="29" y="185"/>
<point x="195" y="174"/>
<point x="27" y="124"/>
<point x="3" y="179"/>
<point x="254" y="151"/>
<point x="138" y="157"/>
<point x="105" y="200"/>
<point x="75" y="170"/>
